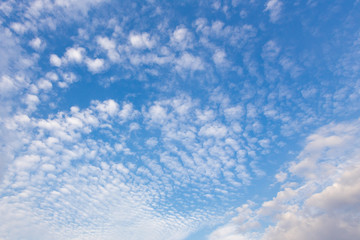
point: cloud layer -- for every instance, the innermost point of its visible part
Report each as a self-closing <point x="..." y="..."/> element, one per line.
<point x="190" y="120"/>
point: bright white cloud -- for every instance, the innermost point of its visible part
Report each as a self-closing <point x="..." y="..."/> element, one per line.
<point x="110" y="46"/>
<point x="36" y="43"/>
<point x="55" y="60"/>
<point x="141" y="40"/>
<point x="95" y="65"/>
<point x="75" y="54"/>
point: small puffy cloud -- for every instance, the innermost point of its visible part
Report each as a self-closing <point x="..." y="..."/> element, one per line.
<point x="152" y="142"/>
<point x="141" y="40"/>
<point x="110" y="46"/>
<point x="68" y="78"/>
<point x="213" y="130"/>
<point x="205" y="115"/>
<point x="106" y="43"/>
<point x="31" y="101"/>
<point x="19" y="28"/>
<point x="27" y="161"/>
<point x="52" y="76"/>
<point x="108" y="107"/>
<point x="270" y="50"/>
<point x="235" y="112"/>
<point x="274" y="7"/>
<point x="290" y="66"/>
<point x="157" y="114"/>
<point x="127" y="112"/>
<point x="44" y="84"/>
<point x="36" y="43"/>
<point x="189" y="62"/>
<point x="181" y="38"/>
<point x="75" y="54"/>
<point x="219" y="58"/>
<point x="55" y="60"/>
<point x="179" y="34"/>
<point x="217" y="27"/>
<point x="95" y="65"/>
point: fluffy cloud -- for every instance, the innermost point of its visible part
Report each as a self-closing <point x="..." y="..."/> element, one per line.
<point x="324" y="206"/>
<point x="95" y="65"/>
<point x="55" y="60"/>
<point x="141" y="40"/>
<point x="110" y="46"/>
<point x="36" y="43"/>
<point x="189" y="62"/>
<point x="75" y="54"/>
<point x="205" y="114"/>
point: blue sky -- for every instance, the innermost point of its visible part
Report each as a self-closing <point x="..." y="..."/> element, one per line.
<point x="192" y="120"/>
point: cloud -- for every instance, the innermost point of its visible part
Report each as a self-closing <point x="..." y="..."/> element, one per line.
<point x="275" y="8"/>
<point x="110" y="46"/>
<point x="181" y="38"/>
<point x="37" y="43"/>
<point x="95" y="65"/>
<point x="19" y="27"/>
<point x="219" y="58"/>
<point x="323" y="206"/>
<point x="152" y="142"/>
<point x="212" y="130"/>
<point x="203" y="111"/>
<point x="141" y="40"/>
<point x="75" y="54"/>
<point x="270" y="50"/>
<point x="189" y="62"/>
<point x="55" y="60"/>
<point x="9" y="86"/>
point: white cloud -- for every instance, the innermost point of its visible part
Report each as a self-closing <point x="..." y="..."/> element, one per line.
<point x="213" y="130"/>
<point x="75" y="54"/>
<point x="141" y="40"/>
<point x="7" y="85"/>
<point x="190" y="62"/>
<point x="95" y="65"/>
<point x="219" y="58"/>
<point x="274" y="7"/>
<point x="110" y="46"/>
<point x="157" y="114"/>
<point x="217" y="27"/>
<point x="270" y="50"/>
<point x="181" y="38"/>
<point x="108" y="107"/>
<point x="55" y="60"/>
<point x="36" y="43"/>
<point x="152" y="142"/>
<point x="235" y="112"/>
<point x="324" y="206"/>
<point x="44" y="84"/>
<point x="19" y="27"/>
<point x="32" y="101"/>
<point x="281" y="177"/>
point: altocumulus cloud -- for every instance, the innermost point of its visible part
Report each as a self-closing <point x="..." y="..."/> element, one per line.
<point x="150" y="120"/>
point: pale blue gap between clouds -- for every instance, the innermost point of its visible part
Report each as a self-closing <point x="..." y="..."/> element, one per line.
<point x="157" y="120"/>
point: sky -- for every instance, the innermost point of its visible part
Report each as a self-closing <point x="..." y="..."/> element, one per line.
<point x="179" y="120"/>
